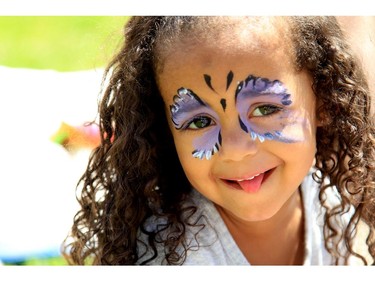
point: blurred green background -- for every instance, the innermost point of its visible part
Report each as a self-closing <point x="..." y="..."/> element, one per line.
<point x="62" y="43"/>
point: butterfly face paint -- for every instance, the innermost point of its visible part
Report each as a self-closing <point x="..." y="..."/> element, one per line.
<point x="187" y="111"/>
<point x="271" y="101"/>
<point x="276" y="118"/>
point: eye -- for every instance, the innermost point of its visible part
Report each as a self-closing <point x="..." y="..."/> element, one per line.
<point x="265" y="110"/>
<point x="199" y="123"/>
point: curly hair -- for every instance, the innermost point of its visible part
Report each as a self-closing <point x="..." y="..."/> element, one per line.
<point x="134" y="174"/>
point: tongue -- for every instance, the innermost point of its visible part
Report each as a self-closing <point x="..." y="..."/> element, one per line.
<point x="253" y="185"/>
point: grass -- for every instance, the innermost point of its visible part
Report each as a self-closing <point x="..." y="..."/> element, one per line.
<point x="64" y="43"/>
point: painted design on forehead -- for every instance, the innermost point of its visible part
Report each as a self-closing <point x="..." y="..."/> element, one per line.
<point x="207" y="79"/>
<point x="266" y="92"/>
<point x="187" y="107"/>
<point x="229" y="79"/>
<point x="223" y="103"/>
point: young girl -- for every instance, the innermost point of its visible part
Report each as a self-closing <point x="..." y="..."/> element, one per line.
<point x="230" y="141"/>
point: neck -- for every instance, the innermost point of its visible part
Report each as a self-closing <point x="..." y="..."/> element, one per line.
<point x="278" y="240"/>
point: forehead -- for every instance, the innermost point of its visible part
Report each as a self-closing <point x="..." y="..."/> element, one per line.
<point x="245" y="46"/>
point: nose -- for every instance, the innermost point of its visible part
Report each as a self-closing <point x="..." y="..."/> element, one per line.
<point x="236" y="144"/>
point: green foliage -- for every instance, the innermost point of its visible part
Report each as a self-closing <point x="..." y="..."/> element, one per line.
<point x="64" y="43"/>
<point x="48" y="261"/>
<point x="40" y="261"/>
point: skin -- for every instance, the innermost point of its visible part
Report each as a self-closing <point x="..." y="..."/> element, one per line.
<point x="252" y="218"/>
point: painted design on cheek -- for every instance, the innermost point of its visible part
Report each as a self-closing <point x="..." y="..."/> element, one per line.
<point x="187" y="107"/>
<point x="208" y="144"/>
<point x="267" y="93"/>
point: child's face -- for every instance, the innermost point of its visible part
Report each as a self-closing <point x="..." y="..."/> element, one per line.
<point x="243" y="122"/>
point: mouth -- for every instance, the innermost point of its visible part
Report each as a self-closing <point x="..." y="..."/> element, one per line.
<point x="250" y="184"/>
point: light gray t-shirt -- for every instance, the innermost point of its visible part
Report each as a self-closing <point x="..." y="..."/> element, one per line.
<point x="217" y="246"/>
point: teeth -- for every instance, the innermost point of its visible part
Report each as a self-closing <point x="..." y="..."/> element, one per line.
<point x="249" y="178"/>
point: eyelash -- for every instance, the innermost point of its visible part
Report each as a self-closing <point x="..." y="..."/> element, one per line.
<point x="200" y="117"/>
<point x="196" y="118"/>
<point x="276" y="109"/>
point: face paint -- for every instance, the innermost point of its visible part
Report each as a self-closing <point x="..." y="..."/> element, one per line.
<point x="208" y="144"/>
<point x="229" y="79"/>
<point x="207" y="79"/>
<point x="186" y="109"/>
<point x="274" y="100"/>
<point x="223" y="103"/>
<point x="185" y="103"/>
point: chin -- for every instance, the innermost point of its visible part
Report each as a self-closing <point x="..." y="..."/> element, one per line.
<point x="257" y="215"/>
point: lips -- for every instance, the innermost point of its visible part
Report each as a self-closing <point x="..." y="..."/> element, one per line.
<point x="249" y="184"/>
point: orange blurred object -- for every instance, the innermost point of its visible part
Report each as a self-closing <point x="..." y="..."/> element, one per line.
<point x="77" y="137"/>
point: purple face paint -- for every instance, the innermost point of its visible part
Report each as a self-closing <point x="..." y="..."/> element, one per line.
<point x="187" y="107"/>
<point x="273" y="94"/>
<point x="280" y="123"/>
<point x="208" y="144"/>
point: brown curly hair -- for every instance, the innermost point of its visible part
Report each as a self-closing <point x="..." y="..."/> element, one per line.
<point x="135" y="173"/>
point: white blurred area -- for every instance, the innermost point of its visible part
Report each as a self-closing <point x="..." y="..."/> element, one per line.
<point x="38" y="176"/>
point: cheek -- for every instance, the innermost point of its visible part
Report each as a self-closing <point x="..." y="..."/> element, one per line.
<point x="298" y="157"/>
<point x="301" y="127"/>
<point x="285" y="127"/>
<point x="293" y="127"/>
<point x="196" y="170"/>
<point x="207" y="144"/>
<point x="302" y="131"/>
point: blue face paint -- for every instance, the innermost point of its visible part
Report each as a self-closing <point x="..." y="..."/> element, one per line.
<point x="272" y="96"/>
<point x="187" y="107"/>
